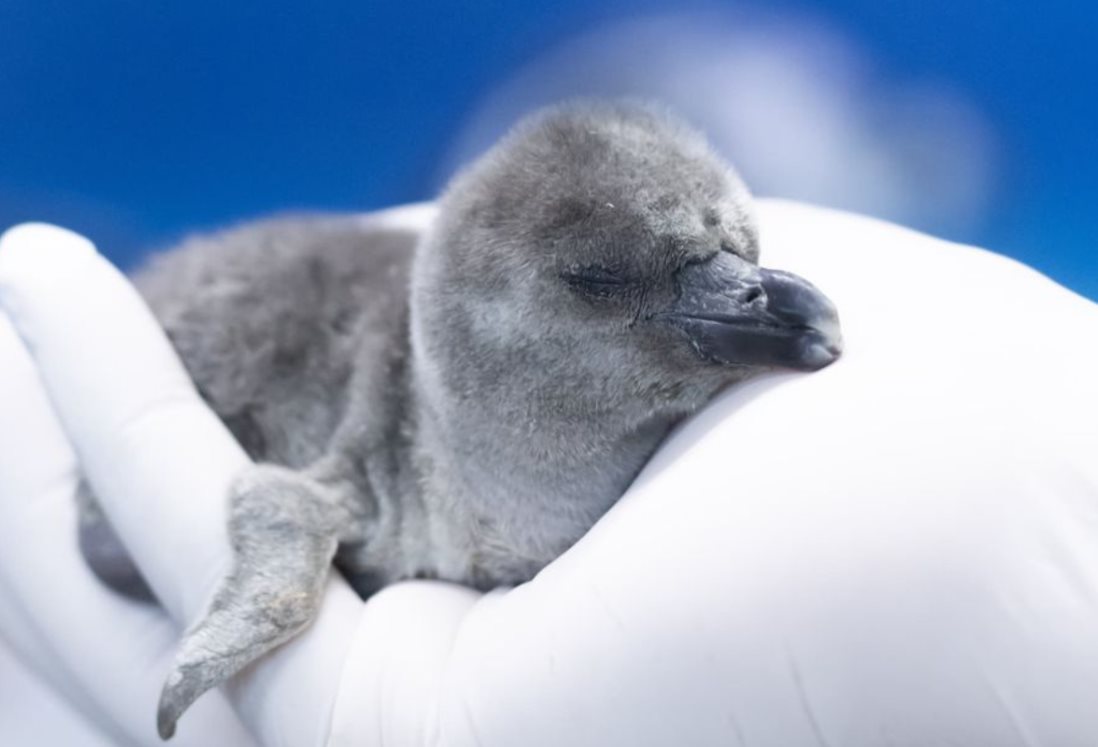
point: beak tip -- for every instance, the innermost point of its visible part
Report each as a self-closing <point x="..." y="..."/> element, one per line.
<point x="820" y="351"/>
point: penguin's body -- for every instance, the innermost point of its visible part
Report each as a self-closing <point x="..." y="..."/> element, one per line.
<point x="271" y="319"/>
<point x="465" y="402"/>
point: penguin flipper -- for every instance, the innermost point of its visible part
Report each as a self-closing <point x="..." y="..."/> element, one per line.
<point x="284" y="528"/>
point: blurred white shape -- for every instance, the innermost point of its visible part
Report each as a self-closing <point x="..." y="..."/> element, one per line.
<point x="793" y="103"/>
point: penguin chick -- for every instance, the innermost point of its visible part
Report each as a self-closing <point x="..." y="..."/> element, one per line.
<point x="464" y="404"/>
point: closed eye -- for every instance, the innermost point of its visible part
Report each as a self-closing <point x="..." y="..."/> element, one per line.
<point x="596" y="281"/>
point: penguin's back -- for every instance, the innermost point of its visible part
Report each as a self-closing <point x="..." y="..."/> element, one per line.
<point x="271" y="319"/>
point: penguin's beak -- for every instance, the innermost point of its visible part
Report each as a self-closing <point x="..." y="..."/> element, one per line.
<point x="735" y="313"/>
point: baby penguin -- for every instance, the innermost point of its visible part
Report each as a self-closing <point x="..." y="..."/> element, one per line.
<point x="466" y="403"/>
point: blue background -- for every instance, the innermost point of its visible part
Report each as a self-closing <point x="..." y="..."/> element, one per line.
<point x="137" y="121"/>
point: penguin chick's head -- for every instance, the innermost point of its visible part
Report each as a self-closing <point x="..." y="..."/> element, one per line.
<point x="603" y="249"/>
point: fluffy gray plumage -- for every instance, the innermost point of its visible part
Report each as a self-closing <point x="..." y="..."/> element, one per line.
<point x="464" y="404"/>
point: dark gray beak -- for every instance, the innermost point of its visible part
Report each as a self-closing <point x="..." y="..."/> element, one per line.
<point x="735" y="313"/>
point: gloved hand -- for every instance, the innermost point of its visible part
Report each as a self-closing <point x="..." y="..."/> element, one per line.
<point x="899" y="549"/>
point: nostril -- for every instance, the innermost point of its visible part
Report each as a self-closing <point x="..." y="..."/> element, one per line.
<point x="753" y="294"/>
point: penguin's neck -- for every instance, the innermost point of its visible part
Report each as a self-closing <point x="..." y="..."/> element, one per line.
<point x="523" y="480"/>
<point x="570" y="451"/>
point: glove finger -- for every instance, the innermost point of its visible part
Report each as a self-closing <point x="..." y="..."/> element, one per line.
<point x="104" y="654"/>
<point x="159" y="460"/>
<point x="127" y="405"/>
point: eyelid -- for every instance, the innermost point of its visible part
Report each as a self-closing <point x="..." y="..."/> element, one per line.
<point x="595" y="280"/>
<point x="594" y="274"/>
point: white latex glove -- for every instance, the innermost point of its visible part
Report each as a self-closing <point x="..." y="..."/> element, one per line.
<point x="900" y="549"/>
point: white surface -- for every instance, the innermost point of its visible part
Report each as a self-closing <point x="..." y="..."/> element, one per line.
<point x="32" y="714"/>
<point x="900" y="549"/>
